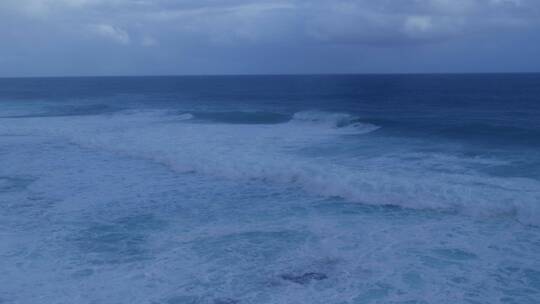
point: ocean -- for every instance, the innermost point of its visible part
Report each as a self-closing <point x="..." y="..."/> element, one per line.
<point x="270" y="189"/>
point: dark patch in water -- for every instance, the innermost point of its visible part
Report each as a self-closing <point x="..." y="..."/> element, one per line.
<point x="70" y="110"/>
<point x="242" y="117"/>
<point x="305" y="278"/>
<point x="226" y="301"/>
<point x="533" y="278"/>
<point x="14" y="183"/>
<point x="82" y="273"/>
<point x="120" y="241"/>
<point x="95" y="109"/>
<point x="455" y="254"/>
<point x="182" y="300"/>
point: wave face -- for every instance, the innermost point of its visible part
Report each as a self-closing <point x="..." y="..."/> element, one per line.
<point x="312" y="189"/>
<point x="239" y="117"/>
<point x="324" y="120"/>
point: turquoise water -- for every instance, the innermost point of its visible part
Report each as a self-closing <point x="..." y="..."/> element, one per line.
<point x="270" y="189"/>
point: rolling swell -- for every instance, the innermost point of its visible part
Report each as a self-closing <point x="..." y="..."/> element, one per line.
<point x="475" y="132"/>
<point x="70" y="110"/>
<point x="315" y="118"/>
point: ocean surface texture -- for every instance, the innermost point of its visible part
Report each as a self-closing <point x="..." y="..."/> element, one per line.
<point x="270" y="189"/>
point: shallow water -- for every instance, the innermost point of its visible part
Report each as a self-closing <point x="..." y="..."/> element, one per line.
<point x="341" y="189"/>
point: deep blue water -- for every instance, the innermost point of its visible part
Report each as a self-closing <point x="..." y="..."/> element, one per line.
<point x="270" y="189"/>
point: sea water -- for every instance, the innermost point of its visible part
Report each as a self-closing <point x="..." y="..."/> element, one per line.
<point x="270" y="189"/>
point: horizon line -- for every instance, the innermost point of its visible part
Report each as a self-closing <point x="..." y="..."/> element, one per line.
<point x="269" y="74"/>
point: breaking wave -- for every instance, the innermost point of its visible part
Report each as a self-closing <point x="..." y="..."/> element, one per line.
<point x="269" y="152"/>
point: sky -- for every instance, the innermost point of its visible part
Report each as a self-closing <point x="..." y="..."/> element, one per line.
<point x="184" y="37"/>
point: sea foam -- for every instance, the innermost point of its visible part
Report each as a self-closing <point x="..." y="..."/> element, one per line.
<point x="270" y="152"/>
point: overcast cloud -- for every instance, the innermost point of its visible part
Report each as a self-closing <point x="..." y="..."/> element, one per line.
<point x="142" y="37"/>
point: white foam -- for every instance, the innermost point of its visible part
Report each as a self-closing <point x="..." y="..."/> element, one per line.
<point x="267" y="152"/>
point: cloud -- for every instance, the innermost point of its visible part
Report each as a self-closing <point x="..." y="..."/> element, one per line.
<point x="246" y="33"/>
<point x="381" y="22"/>
<point x="110" y="32"/>
<point x="386" y="23"/>
<point x="39" y="8"/>
<point x="149" y="41"/>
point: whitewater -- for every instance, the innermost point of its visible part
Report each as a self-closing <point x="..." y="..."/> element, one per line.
<point x="163" y="194"/>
